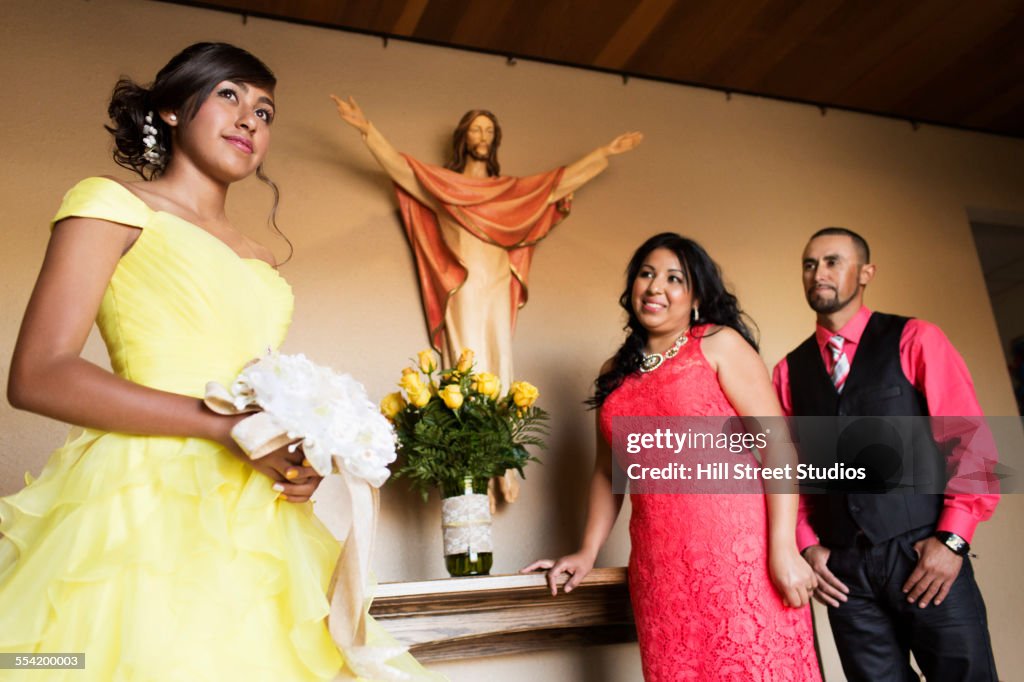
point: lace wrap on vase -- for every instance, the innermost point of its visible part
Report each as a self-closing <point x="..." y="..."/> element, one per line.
<point x="466" y="522"/>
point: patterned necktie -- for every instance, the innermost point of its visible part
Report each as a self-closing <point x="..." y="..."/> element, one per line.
<point x="840" y="363"/>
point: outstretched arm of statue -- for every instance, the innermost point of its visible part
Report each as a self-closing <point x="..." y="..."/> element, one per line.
<point x="590" y="166"/>
<point x="387" y="156"/>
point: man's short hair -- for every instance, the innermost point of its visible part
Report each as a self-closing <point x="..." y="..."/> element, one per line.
<point x="859" y="242"/>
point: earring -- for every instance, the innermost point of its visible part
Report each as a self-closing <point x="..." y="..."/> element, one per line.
<point x="173" y="117"/>
<point x="696" y="313"/>
<point x="154" y="153"/>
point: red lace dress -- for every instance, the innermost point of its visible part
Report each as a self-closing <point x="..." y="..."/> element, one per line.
<point x="705" y="607"/>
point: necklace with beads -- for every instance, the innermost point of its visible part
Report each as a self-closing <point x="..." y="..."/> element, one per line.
<point x="653" y="361"/>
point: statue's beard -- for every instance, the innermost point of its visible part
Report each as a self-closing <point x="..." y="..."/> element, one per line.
<point x="475" y="153"/>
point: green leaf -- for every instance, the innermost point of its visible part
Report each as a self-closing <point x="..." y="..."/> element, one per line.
<point x="484" y="439"/>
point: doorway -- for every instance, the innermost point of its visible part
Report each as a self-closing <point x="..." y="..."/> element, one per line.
<point x="1000" y="248"/>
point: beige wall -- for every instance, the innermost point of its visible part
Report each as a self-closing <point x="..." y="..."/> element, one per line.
<point x="749" y="178"/>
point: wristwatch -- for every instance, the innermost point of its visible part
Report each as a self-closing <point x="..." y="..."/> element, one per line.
<point x="956" y="544"/>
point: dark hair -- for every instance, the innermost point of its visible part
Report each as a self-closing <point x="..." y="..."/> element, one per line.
<point x="859" y="242"/>
<point x="704" y="279"/>
<point x="182" y="86"/>
<point x="458" y="160"/>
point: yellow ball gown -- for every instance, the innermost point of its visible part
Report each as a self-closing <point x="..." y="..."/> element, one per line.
<point x="168" y="558"/>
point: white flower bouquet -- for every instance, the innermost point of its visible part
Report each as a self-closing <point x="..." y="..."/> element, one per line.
<point x="325" y="412"/>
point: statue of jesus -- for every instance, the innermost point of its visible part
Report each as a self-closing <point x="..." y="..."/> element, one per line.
<point x="473" y="231"/>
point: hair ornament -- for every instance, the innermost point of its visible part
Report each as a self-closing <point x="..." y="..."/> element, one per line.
<point x="154" y="152"/>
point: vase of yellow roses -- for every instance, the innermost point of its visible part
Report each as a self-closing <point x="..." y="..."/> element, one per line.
<point x="456" y="431"/>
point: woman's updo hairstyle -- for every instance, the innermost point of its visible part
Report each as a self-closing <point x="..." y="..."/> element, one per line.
<point x="182" y="86"/>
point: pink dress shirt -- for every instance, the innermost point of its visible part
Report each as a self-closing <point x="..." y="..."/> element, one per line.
<point x="935" y="368"/>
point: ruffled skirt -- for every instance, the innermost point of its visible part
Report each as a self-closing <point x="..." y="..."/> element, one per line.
<point x="166" y="559"/>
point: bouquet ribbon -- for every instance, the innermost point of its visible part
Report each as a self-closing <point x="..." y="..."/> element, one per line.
<point x="258" y="435"/>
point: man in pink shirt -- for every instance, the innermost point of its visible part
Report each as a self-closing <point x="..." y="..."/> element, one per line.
<point x="893" y="567"/>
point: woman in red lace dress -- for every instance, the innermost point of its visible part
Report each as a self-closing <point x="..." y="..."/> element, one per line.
<point x="719" y="589"/>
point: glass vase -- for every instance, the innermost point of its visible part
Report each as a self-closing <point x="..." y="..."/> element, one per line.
<point x="466" y="527"/>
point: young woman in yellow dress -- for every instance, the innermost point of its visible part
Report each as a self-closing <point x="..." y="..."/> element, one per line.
<point x="150" y="542"/>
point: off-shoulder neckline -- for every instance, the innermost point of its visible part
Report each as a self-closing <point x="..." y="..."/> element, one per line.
<point x="191" y="224"/>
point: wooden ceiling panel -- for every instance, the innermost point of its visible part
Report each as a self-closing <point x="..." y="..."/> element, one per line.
<point x="1011" y="120"/>
<point x="439" y="19"/>
<point x="379" y="17"/>
<point x="632" y="33"/>
<point x="850" y="44"/>
<point x="756" y="59"/>
<point x="671" y="51"/>
<point x="408" y="17"/>
<point x="569" y="31"/>
<point x="943" y="61"/>
<point x="364" y="16"/>
<point x="729" y="27"/>
<point x="483" y="23"/>
<point x="1005" y="111"/>
<point x="935" y="47"/>
<point x="307" y="10"/>
<point x="986" y="73"/>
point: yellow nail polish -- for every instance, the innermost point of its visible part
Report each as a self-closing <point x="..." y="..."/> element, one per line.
<point x="290" y="474"/>
<point x="306" y="463"/>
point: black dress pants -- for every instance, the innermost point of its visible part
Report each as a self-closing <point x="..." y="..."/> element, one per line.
<point x="876" y="628"/>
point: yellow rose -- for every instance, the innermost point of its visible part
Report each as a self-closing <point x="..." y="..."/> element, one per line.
<point x="420" y="397"/>
<point x="465" y="361"/>
<point x="392" y="404"/>
<point x="452" y="396"/>
<point x="426" y="360"/>
<point x="524" y="394"/>
<point x="411" y="381"/>
<point x="487" y="384"/>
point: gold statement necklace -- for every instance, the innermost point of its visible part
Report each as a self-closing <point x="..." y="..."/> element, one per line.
<point x="653" y="361"/>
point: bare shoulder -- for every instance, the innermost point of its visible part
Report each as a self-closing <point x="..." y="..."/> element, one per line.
<point x="722" y="345"/>
<point x="137" y="187"/>
<point x="608" y="365"/>
<point x="721" y="338"/>
<point x="148" y="192"/>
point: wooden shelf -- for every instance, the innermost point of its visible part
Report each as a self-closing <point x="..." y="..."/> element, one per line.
<point x="504" y="614"/>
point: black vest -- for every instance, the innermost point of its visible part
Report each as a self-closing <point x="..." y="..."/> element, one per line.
<point x="875" y="386"/>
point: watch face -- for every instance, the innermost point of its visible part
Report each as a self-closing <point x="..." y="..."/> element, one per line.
<point x="955" y="543"/>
